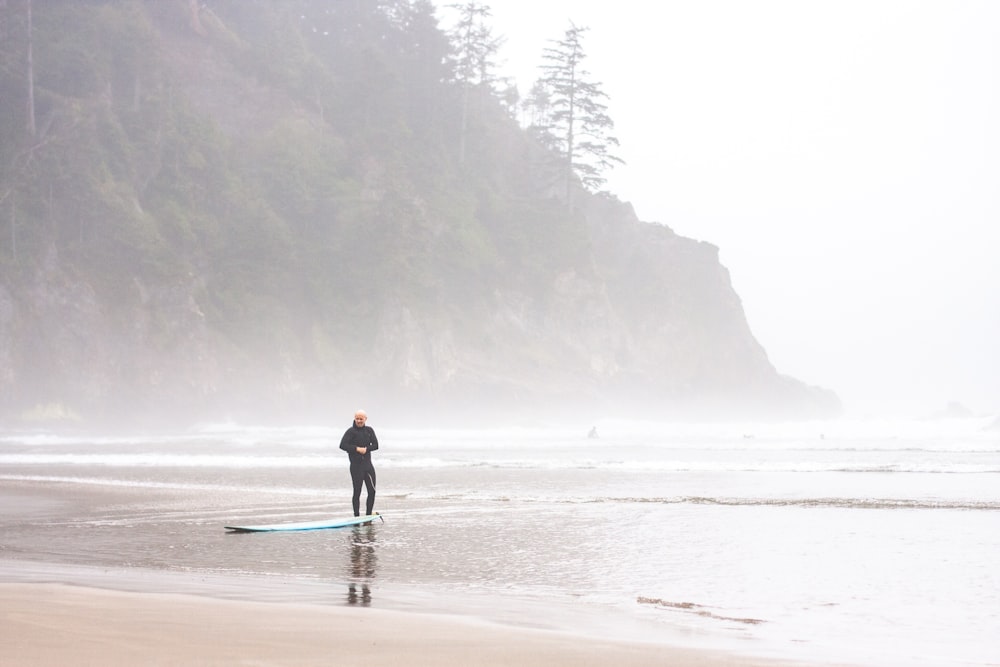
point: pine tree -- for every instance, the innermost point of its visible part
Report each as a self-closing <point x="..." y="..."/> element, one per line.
<point x="475" y="48"/>
<point x="570" y="114"/>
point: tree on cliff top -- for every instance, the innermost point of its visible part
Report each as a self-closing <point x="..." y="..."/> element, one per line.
<point x="474" y="53"/>
<point x="570" y="114"/>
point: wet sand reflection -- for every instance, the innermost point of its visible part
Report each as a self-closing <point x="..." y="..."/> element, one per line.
<point x="362" y="565"/>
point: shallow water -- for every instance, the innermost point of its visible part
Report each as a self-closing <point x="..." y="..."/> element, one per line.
<point x="868" y="542"/>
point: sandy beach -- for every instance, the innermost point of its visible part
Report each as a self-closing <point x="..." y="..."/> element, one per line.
<point x="58" y="624"/>
<point x="538" y="549"/>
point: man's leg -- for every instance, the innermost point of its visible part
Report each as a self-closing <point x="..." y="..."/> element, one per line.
<point x="370" y="484"/>
<point x="357" y="477"/>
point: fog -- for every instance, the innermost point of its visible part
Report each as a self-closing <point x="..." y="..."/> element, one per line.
<point x="842" y="155"/>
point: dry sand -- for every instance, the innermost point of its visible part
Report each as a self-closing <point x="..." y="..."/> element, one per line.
<point x="57" y="624"/>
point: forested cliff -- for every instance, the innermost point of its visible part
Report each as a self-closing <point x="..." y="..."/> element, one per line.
<point x="257" y="210"/>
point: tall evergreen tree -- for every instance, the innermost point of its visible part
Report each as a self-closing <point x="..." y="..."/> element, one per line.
<point x="423" y="60"/>
<point x="474" y="53"/>
<point x="570" y="114"/>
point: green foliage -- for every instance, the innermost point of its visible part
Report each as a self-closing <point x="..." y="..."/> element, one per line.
<point x="474" y="56"/>
<point x="571" y="114"/>
<point x="339" y="190"/>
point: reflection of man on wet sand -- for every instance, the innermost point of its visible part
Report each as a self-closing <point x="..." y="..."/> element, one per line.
<point x="362" y="568"/>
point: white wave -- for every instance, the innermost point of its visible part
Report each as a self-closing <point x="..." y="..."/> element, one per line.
<point x="159" y="459"/>
<point x="907" y="464"/>
<point x="880" y="428"/>
<point x="838" y="434"/>
<point x="149" y="484"/>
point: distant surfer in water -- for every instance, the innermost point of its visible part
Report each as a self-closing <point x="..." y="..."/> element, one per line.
<point x="359" y="442"/>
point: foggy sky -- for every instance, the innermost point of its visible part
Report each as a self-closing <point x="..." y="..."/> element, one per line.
<point x="842" y="155"/>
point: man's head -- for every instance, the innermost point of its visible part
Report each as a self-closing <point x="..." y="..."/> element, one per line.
<point x="360" y="417"/>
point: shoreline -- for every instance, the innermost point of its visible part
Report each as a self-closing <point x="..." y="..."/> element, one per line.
<point x="505" y="611"/>
<point x="60" y="623"/>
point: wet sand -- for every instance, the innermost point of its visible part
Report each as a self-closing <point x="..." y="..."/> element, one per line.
<point x="59" y="624"/>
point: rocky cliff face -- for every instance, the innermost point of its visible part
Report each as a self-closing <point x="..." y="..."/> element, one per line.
<point x="653" y="326"/>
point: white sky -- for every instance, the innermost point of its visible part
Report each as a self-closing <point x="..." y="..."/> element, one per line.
<point x="844" y="156"/>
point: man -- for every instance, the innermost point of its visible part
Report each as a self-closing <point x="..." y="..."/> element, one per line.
<point x="359" y="442"/>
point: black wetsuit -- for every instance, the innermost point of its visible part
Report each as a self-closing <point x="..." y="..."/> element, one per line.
<point x="362" y="470"/>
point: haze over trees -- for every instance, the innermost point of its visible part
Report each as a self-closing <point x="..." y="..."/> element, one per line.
<point x="475" y="53"/>
<point x="257" y="208"/>
<point x="570" y="116"/>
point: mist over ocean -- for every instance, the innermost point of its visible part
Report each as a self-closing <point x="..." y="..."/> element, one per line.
<point x="872" y="542"/>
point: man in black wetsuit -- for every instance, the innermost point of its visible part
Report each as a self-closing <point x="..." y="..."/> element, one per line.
<point x="359" y="442"/>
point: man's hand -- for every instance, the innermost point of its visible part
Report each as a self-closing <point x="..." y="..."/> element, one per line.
<point x="361" y="450"/>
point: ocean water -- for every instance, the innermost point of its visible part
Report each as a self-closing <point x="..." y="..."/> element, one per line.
<point x="873" y="543"/>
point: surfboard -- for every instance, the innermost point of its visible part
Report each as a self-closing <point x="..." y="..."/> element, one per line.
<point x="322" y="524"/>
